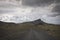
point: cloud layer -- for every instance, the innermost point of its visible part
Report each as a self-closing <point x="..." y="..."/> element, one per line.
<point x="25" y="11"/>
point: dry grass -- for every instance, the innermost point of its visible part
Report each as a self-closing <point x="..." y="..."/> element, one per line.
<point x="53" y="30"/>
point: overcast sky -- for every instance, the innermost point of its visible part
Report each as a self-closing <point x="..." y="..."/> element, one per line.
<point x="30" y="10"/>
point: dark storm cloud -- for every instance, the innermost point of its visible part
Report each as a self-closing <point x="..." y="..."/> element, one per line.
<point x="57" y="1"/>
<point x="36" y="2"/>
<point x="43" y="3"/>
<point x="30" y="10"/>
<point x="56" y="9"/>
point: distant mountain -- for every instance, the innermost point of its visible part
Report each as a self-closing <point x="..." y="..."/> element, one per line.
<point x="18" y="19"/>
<point x="38" y="22"/>
<point x="6" y="23"/>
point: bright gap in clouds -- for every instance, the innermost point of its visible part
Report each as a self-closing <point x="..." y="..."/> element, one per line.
<point x="20" y="14"/>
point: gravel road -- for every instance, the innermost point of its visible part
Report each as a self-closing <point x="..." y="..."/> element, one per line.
<point x="28" y="35"/>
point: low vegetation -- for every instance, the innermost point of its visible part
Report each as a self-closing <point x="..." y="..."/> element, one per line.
<point x="13" y="29"/>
